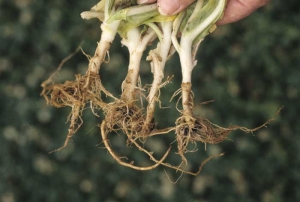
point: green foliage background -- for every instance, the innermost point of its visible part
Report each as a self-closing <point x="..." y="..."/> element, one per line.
<point x="250" y="68"/>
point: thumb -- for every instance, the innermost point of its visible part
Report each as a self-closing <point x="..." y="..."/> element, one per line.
<point x="172" y="7"/>
<point x="237" y="10"/>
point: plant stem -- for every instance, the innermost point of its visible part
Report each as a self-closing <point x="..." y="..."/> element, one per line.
<point x="187" y="65"/>
<point x="108" y="34"/>
<point x="136" y="44"/>
<point x="158" y="59"/>
<point x="130" y="82"/>
<point x="200" y="23"/>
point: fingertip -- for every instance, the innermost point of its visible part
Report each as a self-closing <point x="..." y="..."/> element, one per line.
<point x="168" y="7"/>
<point x="172" y="7"/>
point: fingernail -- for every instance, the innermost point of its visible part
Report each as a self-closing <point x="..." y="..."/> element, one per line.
<point x="166" y="8"/>
<point x="142" y="1"/>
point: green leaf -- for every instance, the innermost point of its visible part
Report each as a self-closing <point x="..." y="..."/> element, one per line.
<point x="161" y="18"/>
<point x="187" y="14"/>
<point x="202" y="20"/>
<point x="124" y="27"/>
<point x="136" y="15"/>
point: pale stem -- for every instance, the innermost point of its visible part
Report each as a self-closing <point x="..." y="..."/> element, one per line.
<point x="130" y="82"/>
<point x="186" y="60"/>
<point x="136" y="45"/>
<point x="187" y="65"/>
<point x="108" y="34"/>
<point x="159" y="57"/>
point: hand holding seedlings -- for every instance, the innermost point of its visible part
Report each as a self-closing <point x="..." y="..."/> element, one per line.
<point x="235" y="9"/>
<point x="138" y="26"/>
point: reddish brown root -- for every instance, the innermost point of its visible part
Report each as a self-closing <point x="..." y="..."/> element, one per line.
<point x="84" y="89"/>
<point x="192" y="130"/>
<point x="126" y="116"/>
<point x="198" y="129"/>
<point x="120" y="115"/>
<point x="104" y="132"/>
<point x="75" y="94"/>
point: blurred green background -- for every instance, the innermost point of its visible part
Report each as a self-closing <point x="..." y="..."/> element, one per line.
<point x="250" y="68"/>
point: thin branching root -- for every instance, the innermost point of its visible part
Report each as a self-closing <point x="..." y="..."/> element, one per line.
<point x="198" y="129"/>
<point x="132" y="114"/>
<point x="131" y="164"/>
<point x="75" y="94"/>
<point x="84" y="90"/>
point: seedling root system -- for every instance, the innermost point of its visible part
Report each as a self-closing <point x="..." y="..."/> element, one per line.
<point x="139" y="26"/>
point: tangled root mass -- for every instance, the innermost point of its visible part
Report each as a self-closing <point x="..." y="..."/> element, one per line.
<point x="130" y="119"/>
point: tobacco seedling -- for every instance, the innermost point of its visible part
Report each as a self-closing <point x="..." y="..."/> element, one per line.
<point x="138" y="26"/>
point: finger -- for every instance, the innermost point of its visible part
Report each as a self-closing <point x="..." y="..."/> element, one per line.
<point x="239" y="9"/>
<point x="145" y="1"/>
<point x="172" y="7"/>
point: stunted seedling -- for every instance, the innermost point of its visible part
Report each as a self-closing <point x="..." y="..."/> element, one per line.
<point x="139" y="26"/>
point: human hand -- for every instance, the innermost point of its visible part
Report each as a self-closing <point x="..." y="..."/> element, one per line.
<point x="235" y="9"/>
